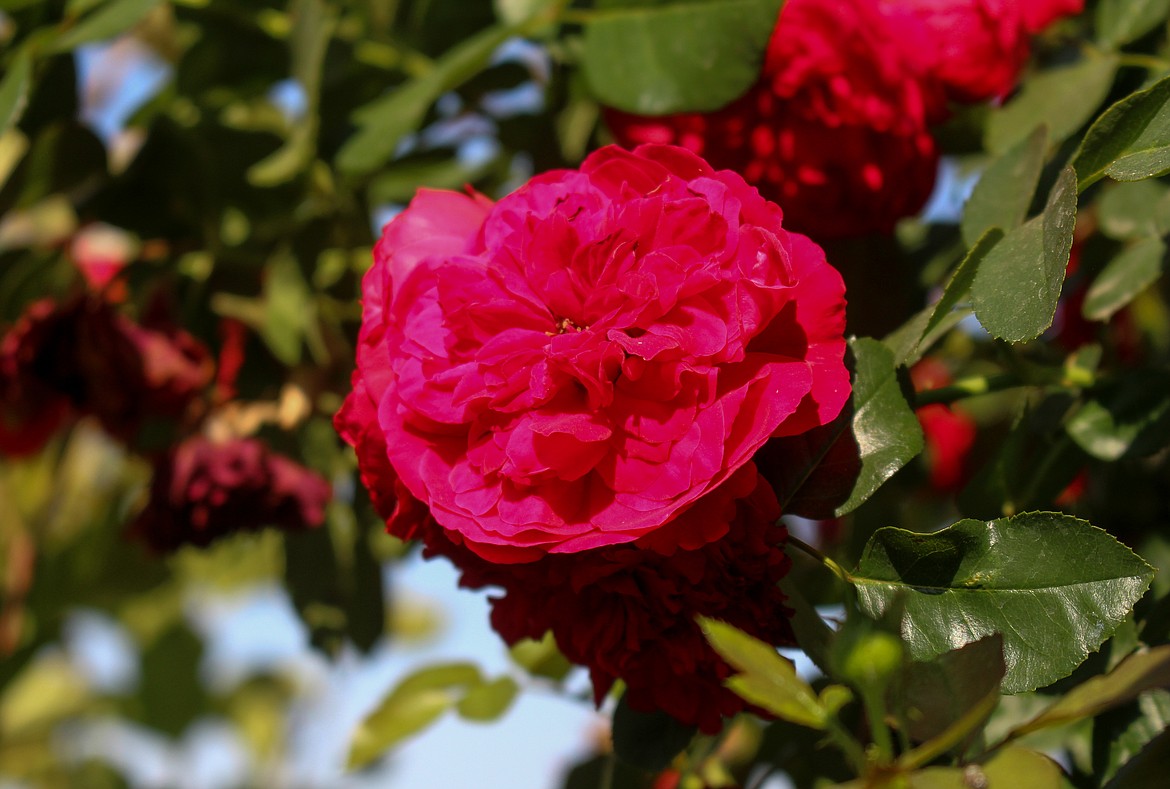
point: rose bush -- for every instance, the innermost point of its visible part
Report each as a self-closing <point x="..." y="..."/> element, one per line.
<point x="575" y="366"/>
<point x="836" y="128"/>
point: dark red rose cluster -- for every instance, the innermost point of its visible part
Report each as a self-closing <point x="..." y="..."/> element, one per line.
<point x="147" y="385"/>
<point x="563" y="392"/>
<point x="203" y="490"/>
<point x="837" y="128"/>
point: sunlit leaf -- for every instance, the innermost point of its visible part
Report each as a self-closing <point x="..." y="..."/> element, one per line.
<point x="686" y="56"/>
<point x="765" y="678"/>
<point x="1017" y="286"/>
<point x="1063" y="98"/>
<point x="1053" y="586"/>
<point x="106" y="22"/>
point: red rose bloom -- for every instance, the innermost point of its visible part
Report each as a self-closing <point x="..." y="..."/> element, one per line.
<point x="980" y="45"/>
<point x="204" y="490"/>
<point x="629" y="611"/>
<point x="835" y="130"/>
<point x="83" y="353"/>
<point x="579" y="364"/>
<point x="1039" y="14"/>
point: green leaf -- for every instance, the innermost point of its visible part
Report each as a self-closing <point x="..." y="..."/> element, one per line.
<point x="14" y="91"/>
<point x="695" y="55"/>
<point x="1146" y="770"/>
<point x="1133" y="210"/>
<point x="1017" y="286"/>
<point x="1120" y="734"/>
<point x="1128" y="418"/>
<point x="287" y="309"/>
<point x="832" y="470"/>
<point x="488" y="701"/>
<point x="1131" y="139"/>
<point x="1120" y="22"/>
<point x="106" y="22"/>
<point x="765" y="679"/>
<point x="1127" y="275"/>
<point x="171" y="693"/>
<point x="541" y="658"/>
<point x="961" y="281"/>
<point x="514" y="12"/>
<point x="649" y="740"/>
<point x="937" y="693"/>
<point x="1022" y="767"/>
<point x="313" y="25"/>
<point x="401" y="180"/>
<point x="412" y="706"/>
<point x="1136" y="674"/>
<point x="1053" y="586"/>
<point x="1062" y="98"/>
<point x="385" y="121"/>
<point x="1004" y="192"/>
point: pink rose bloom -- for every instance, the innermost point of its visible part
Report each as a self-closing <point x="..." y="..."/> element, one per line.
<point x="1039" y="14"/>
<point x="836" y="128"/>
<point x="577" y="365"/>
<point x="981" y="45"/>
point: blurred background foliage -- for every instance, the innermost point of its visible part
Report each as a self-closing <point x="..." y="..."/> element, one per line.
<point x="237" y="157"/>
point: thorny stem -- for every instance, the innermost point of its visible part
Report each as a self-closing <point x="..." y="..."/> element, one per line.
<point x="1143" y="61"/>
<point x="837" y="569"/>
<point x="967" y="387"/>
<point x="607" y="769"/>
<point x="875" y="710"/>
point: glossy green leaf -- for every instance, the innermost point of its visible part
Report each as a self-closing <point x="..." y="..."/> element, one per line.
<point x="649" y="740"/>
<point x="959" y="285"/>
<point x="694" y="55"/>
<point x="1131" y="139"/>
<point x="1004" y="192"/>
<point x="1127" y="275"/>
<point x="1018" y="283"/>
<point x="108" y="21"/>
<point x="1063" y="98"/>
<point x="1121" y="21"/>
<point x="765" y="678"/>
<point x="832" y="470"/>
<point x="412" y="706"/>
<point x="488" y="701"/>
<point x="1129" y="417"/>
<point x="1053" y="586"/>
<point x="1136" y="674"/>
<point x="385" y="121"/>
<point x="1133" y="210"/>
<point x="14" y="91"/>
